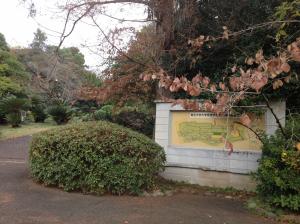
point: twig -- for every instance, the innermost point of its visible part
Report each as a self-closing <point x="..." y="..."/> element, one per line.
<point x="251" y="129"/>
<point x="114" y="46"/>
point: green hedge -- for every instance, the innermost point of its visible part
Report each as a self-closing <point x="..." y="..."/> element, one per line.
<point x="278" y="175"/>
<point x="96" y="157"/>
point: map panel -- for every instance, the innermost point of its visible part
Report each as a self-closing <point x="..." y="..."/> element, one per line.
<point x="205" y="130"/>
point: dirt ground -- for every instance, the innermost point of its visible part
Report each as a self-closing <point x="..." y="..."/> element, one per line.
<point x="24" y="202"/>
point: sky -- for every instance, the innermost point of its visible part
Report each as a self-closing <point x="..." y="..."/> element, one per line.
<point x="18" y="28"/>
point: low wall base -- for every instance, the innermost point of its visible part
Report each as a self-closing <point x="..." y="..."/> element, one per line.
<point x="210" y="178"/>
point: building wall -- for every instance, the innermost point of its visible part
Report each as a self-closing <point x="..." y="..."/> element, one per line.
<point x="210" y="167"/>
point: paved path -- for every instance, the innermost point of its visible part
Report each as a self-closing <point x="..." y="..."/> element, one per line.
<point x="24" y="202"/>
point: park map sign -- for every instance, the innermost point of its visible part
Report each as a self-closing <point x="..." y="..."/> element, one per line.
<point x="208" y="131"/>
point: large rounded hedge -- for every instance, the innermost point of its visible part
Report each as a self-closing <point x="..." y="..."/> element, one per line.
<point x="96" y="157"/>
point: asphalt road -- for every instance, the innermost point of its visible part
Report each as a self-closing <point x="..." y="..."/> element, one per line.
<point x="24" y="202"/>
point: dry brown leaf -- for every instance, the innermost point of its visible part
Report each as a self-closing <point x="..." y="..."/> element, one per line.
<point x="249" y="61"/>
<point x="294" y="50"/>
<point x="285" y="67"/>
<point x="274" y="67"/>
<point x="259" y="56"/>
<point x="277" y="84"/>
<point x="198" y="78"/>
<point x="225" y="33"/>
<point x="288" y="78"/>
<point x="234" y="69"/>
<point x="228" y="145"/>
<point x="147" y="77"/>
<point x="234" y="83"/>
<point x="222" y="86"/>
<point x="206" y="81"/>
<point x="258" y="84"/>
<point x="193" y="90"/>
<point x="213" y="88"/>
<point x="245" y="120"/>
<point x="208" y="105"/>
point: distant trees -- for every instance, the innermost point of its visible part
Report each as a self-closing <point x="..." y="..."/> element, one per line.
<point x="73" y="55"/>
<point x="121" y="81"/>
<point x="13" y="83"/>
<point x="56" y="74"/>
<point x="41" y="74"/>
<point x="39" y="40"/>
<point x="12" y="72"/>
<point x="3" y="43"/>
<point x="8" y="86"/>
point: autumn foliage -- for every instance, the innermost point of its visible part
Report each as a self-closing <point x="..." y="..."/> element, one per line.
<point x="241" y="82"/>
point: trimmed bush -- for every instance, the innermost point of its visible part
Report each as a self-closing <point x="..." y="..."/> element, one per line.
<point x="96" y="157"/>
<point x="278" y="175"/>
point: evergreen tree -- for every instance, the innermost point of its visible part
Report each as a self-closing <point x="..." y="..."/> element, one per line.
<point x="39" y="40"/>
<point x="3" y="43"/>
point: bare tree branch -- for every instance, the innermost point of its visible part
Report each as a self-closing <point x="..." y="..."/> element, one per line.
<point x="130" y="20"/>
<point x="252" y="130"/>
<point x="118" y="49"/>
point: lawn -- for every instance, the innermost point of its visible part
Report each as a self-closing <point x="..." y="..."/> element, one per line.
<point x="7" y="132"/>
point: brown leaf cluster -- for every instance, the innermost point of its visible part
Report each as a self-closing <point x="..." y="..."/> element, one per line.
<point x="122" y="89"/>
<point x="250" y="79"/>
<point x="294" y="50"/>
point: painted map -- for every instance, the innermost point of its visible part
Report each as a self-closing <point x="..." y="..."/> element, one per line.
<point x="209" y="131"/>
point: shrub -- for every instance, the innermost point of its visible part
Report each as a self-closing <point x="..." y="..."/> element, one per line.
<point x="87" y="117"/>
<point x="105" y="113"/>
<point x="108" y="109"/>
<point x="14" y="118"/>
<point x="278" y="175"/>
<point x="39" y="114"/>
<point x="85" y="107"/>
<point x="38" y="109"/>
<point x="11" y="107"/>
<point x="60" y="113"/>
<point x="100" y="115"/>
<point x="96" y="157"/>
<point x="135" y="120"/>
<point x="2" y="116"/>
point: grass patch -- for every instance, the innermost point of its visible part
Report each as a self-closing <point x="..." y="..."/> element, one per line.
<point x="7" y="132"/>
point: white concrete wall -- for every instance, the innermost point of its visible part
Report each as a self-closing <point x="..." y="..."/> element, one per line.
<point x="210" y="178"/>
<point x="197" y="160"/>
<point x="279" y="108"/>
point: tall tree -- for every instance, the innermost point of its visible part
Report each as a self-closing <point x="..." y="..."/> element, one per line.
<point x="39" y="40"/>
<point x="3" y="43"/>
